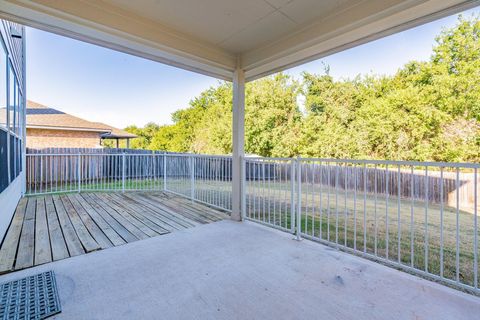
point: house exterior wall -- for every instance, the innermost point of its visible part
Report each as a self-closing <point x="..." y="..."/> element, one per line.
<point x="12" y="119"/>
<point x="44" y="138"/>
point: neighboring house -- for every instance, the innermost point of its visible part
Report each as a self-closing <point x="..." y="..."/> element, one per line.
<point x="48" y="127"/>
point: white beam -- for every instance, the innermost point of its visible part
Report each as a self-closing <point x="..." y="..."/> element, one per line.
<point x="238" y="137"/>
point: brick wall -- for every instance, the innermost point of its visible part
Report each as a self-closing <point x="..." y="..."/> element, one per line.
<point x="44" y="138"/>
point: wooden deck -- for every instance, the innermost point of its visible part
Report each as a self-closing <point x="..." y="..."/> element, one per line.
<point x="54" y="227"/>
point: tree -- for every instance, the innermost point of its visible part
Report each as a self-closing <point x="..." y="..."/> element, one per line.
<point x="428" y="111"/>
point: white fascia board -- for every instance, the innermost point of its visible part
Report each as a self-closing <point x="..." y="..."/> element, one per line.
<point x="180" y="52"/>
<point x="290" y="52"/>
<point x="66" y="128"/>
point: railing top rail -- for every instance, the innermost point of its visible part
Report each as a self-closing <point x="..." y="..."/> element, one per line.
<point x="398" y="162"/>
<point x="196" y="155"/>
<point x="184" y="155"/>
<point x="83" y="154"/>
<point x="266" y="159"/>
<point x="379" y="162"/>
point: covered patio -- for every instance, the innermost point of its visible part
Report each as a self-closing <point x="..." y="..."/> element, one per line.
<point x="201" y="273"/>
<point x="233" y="266"/>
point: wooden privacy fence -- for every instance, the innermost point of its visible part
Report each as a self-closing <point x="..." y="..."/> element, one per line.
<point x="53" y="165"/>
<point x="69" y="165"/>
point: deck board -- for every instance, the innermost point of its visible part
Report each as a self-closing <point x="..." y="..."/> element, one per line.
<point x="111" y="208"/>
<point x="72" y="241"/>
<point x="91" y="225"/>
<point x="186" y="210"/>
<point x="113" y="237"/>
<point x="54" y="227"/>
<point x="164" y="216"/>
<point x="88" y="242"/>
<point x="162" y="209"/>
<point x="27" y="238"/>
<point x="120" y="208"/>
<point x="9" y="248"/>
<point x="152" y="216"/>
<point x="43" y="252"/>
<point x="139" y="216"/>
<point x="118" y="227"/>
<point x="57" y="241"/>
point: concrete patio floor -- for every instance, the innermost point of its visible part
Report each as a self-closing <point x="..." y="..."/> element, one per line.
<point x="231" y="270"/>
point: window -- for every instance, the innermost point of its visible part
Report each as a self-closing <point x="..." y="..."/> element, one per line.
<point x="19" y="157"/>
<point x="12" y="158"/>
<point x="11" y="98"/>
<point x="11" y="112"/>
<point x="19" y="113"/>
<point x="3" y="86"/>
<point x="3" y="161"/>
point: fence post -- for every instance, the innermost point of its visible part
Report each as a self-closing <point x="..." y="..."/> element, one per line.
<point x="293" y="176"/>
<point x="192" y="178"/>
<point x="299" y="199"/>
<point x="164" y="171"/>
<point x="123" y="172"/>
<point x="79" y="172"/>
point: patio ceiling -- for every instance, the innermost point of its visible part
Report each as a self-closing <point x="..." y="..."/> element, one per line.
<point x="215" y="37"/>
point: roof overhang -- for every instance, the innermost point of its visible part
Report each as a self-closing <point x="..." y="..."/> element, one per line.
<point x="43" y="127"/>
<point x="214" y="37"/>
<point x="116" y="136"/>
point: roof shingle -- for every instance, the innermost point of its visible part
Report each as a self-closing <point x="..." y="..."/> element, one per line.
<point x="41" y="116"/>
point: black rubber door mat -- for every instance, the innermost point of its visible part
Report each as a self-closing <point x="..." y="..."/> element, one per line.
<point x="33" y="297"/>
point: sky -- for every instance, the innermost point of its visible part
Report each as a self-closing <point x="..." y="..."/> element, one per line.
<point x="103" y="85"/>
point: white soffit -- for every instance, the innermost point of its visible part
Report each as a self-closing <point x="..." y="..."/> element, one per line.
<point x="213" y="37"/>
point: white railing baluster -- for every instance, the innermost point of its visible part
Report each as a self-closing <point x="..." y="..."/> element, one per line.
<point x="243" y="188"/>
<point x="426" y="220"/>
<point x="457" y="229"/>
<point x="441" y="222"/>
<point x="293" y="165"/>
<point x="475" y="230"/>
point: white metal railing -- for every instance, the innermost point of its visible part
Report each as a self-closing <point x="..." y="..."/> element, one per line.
<point x="417" y="216"/>
<point x="201" y="178"/>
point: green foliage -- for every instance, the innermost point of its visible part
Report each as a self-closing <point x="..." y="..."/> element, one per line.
<point x="428" y="111"/>
<point x="145" y="135"/>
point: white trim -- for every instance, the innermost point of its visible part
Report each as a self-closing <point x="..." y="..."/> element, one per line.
<point x="30" y="126"/>
<point x="8" y="200"/>
<point x="24" y="114"/>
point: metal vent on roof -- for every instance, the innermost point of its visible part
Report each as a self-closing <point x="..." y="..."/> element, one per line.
<point x="33" y="297"/>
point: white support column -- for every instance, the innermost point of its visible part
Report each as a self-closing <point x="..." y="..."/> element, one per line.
<point x="238" y="137"/>
<point x="24" y="113"/>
